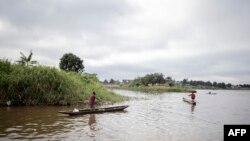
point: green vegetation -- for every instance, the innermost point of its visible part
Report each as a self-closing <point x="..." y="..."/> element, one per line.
<point x="157" y="89"/>
<point x="206" y="85"/>
<point x="70" y="62"/>
<point x="149" y="79"/>
<point x="149" y="83"/>
<point x="41" y="85"/>
<point x="157" y="82"/>
<point x="26" y="61"/>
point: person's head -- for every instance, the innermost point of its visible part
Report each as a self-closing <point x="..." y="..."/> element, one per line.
<point x="93" y="93"/>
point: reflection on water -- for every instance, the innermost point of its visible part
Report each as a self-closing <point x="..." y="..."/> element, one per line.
<point x="192" y="108"/>
<point x="31" y="122"/>
<point x="149" y="117"/>
<point x="92" y="121"/>
<point x="92" y="125"/>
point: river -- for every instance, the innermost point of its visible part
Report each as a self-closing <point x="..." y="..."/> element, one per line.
<point x="149" y="117"/>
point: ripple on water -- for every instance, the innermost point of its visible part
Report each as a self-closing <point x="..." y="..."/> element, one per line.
<point x="12" y="129"/>
<point x="160" y="117"/>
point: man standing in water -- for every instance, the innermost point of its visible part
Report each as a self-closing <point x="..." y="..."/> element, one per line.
<point x="92" y="101"/>
<point x="192" y="95"/>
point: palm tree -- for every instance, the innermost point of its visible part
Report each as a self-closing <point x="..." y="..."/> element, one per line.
<point x="26" y="61"/>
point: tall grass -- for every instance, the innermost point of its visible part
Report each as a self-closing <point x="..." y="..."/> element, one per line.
<point x="42" y="85"/>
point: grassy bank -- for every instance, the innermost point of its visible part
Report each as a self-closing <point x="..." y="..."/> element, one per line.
<point x="157" y="89"/>
<point x="48" y="86"/>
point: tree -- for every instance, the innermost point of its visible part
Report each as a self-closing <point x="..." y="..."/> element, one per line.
<point x="208" y="83"/>
<point x="26" y="61"/>
<point x="111" y="81"/>
<point x="70" y="62"/>
<point x="221" y="85"/>
<point x="149" y="79"/>
<point x="169" y="79"/>
<point x="184" y="81"/>
<point x="215" y="84"/>
<point x="229" y="85"/>
<point x="105" y="81"/>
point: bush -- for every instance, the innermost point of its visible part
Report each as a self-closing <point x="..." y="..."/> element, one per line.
<point x="50" y="86"/>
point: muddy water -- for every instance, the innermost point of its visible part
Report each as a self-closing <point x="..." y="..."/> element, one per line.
<point x="149" y="117"/>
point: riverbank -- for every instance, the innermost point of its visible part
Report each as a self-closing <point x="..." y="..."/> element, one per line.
<point x="41" y="85"/>
<point x="155" y="89"/>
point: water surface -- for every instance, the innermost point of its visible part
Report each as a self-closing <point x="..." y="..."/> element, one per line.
<point x="149" y="117"/>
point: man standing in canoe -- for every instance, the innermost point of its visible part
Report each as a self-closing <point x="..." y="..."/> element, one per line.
<point x="92" y="101"/>
<point x="192" y="95"/>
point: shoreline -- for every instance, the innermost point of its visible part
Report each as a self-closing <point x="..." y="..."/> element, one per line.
<point x="158" y="89"/>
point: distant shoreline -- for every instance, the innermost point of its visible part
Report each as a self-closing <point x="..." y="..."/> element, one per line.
<point x="159" y="89"/>
<point x="222" y="89"/>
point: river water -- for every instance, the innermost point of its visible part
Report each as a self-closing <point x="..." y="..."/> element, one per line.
<point x="149" y="117"/>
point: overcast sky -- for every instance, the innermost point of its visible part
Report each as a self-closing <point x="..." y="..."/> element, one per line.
<point x="205" y="40"/>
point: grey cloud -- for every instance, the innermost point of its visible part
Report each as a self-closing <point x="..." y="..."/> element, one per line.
<point x="73" y="14"/>
<point x="95" y="30"/>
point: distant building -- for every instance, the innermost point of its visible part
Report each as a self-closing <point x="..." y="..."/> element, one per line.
<point x="126" y="81"/>
<point x="235" y="87"/>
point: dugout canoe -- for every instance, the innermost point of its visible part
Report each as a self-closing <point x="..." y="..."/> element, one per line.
<point x="189" y="101"/>
<point x="97" y="110"/>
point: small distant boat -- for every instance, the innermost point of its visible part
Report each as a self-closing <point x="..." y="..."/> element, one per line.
<point x="211" y="93"/>
<point x="189" y="101"/>
<point x="97" y="110"/>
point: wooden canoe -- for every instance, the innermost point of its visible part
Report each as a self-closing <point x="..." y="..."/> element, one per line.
<point x="189" y="101"/>
<point x="97" y="110"/>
